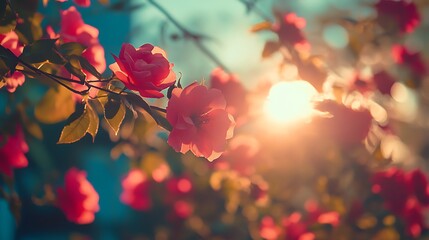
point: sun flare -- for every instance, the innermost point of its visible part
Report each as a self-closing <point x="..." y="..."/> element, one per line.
<point x="290" y="101"/>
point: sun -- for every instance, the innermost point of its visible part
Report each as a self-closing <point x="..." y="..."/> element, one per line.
<point x="290" y="101"/>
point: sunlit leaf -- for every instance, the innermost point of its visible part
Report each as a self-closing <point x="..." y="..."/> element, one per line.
<point x="114" y="113"/>
<point x="94" y="121"/>
<point x="270" y="47"/>
<point x="79" y="123"/>
<point x="55" y="106"/>
<point x="261" y="26"/>
<point x="104" y="2"/>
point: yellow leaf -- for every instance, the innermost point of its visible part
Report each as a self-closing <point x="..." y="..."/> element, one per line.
<point x="77" y="129"/>
<point x="56" y="106"/>
<point x="104" y="2"/>
<point x="94" y="121"/>
<point x="114" y="113"/>
<point x="261" y="26"/>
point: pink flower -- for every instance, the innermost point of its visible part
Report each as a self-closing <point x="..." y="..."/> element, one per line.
<point x="136" y="191"/>
<point x="413" y="61"/>
<point x="289" y="30"/>
<point x="83" y="3"/>
<point x="73" y="29"/>
<point x="233" y="90"/>
<point x="78" y="199"/>
<point x="10" y="41"/>
<point x="145" y="69"/>
<point x="12" y="152"/>
<point x="199" y="120"/>
<point x="403" y="14"/>
<point x="178" y="186"/>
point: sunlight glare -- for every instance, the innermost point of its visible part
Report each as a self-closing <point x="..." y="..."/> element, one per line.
<point x="290" y="101"/>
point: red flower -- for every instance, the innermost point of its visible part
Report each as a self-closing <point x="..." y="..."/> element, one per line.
<point x="78" y="199"/>
<point x="419" y="183"/>
<point x="12" y="152"/>
<point x="136" y="191"/>
<point x="403" y="14"/>
<point x="199" y="120"/>
<point x="10" y="41"/>
<point x="347" y="127"/>
<point x="290" y="32"/>
<point x="73" y="29"/>
<point x="232" y="89"/>
<point x="413" y="61"/>
<point x="145" y="69"/>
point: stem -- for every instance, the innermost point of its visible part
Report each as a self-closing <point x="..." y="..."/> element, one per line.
<point x="251" y="6"/>
<point x="159" y="109"/>
<point x="50" y="76"/>
<point x="196" y="38"/>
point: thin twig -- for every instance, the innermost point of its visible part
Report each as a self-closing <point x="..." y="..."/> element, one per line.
<point x="196" y="38"/>
<point x="251" y="6"/>
<point x="159" y="109"/>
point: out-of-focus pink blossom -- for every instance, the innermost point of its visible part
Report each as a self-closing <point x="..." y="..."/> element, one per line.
<point x="268" y="229"/>
<point x="83" y="3"/>
<point x="78" y="198"/>
<point x="413" y="61"/>
<point x="400" y="14"/>
<point x="12" y="153"/>
<point x="199" y="120"/>
<point x="240" y="156"/>
<point x="383" y="82"/>
<point x="289" y="30"/>
<point x="136" y="191"/>
<point x="405" y="194"/>
<point x="73" y="29"/>
<point x="144" y="69"/>
<point x="234" y="92"/>
<point x="10" y="41"/>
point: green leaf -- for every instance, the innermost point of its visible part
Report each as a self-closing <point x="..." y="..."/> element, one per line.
<point x="114" y="113"/>
<point x="42" y="51"/>
<point x="7" y="21"/>
<point x="88" y="67"/>
<point x="71" y="48"/>
<point x="74" y="67"/>
<point x="77" y="128"/>
<point x="30" y="30"/>
<point x="56" y="106"/>
<point x="8" y="61"/>
<point x="161" y="119"/>
<point x="94" y="121"/>
<point x="3" y="6"/>
<point x="137" y="102"/>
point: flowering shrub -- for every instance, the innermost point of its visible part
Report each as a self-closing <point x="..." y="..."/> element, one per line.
<point x="339" y="154"/>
